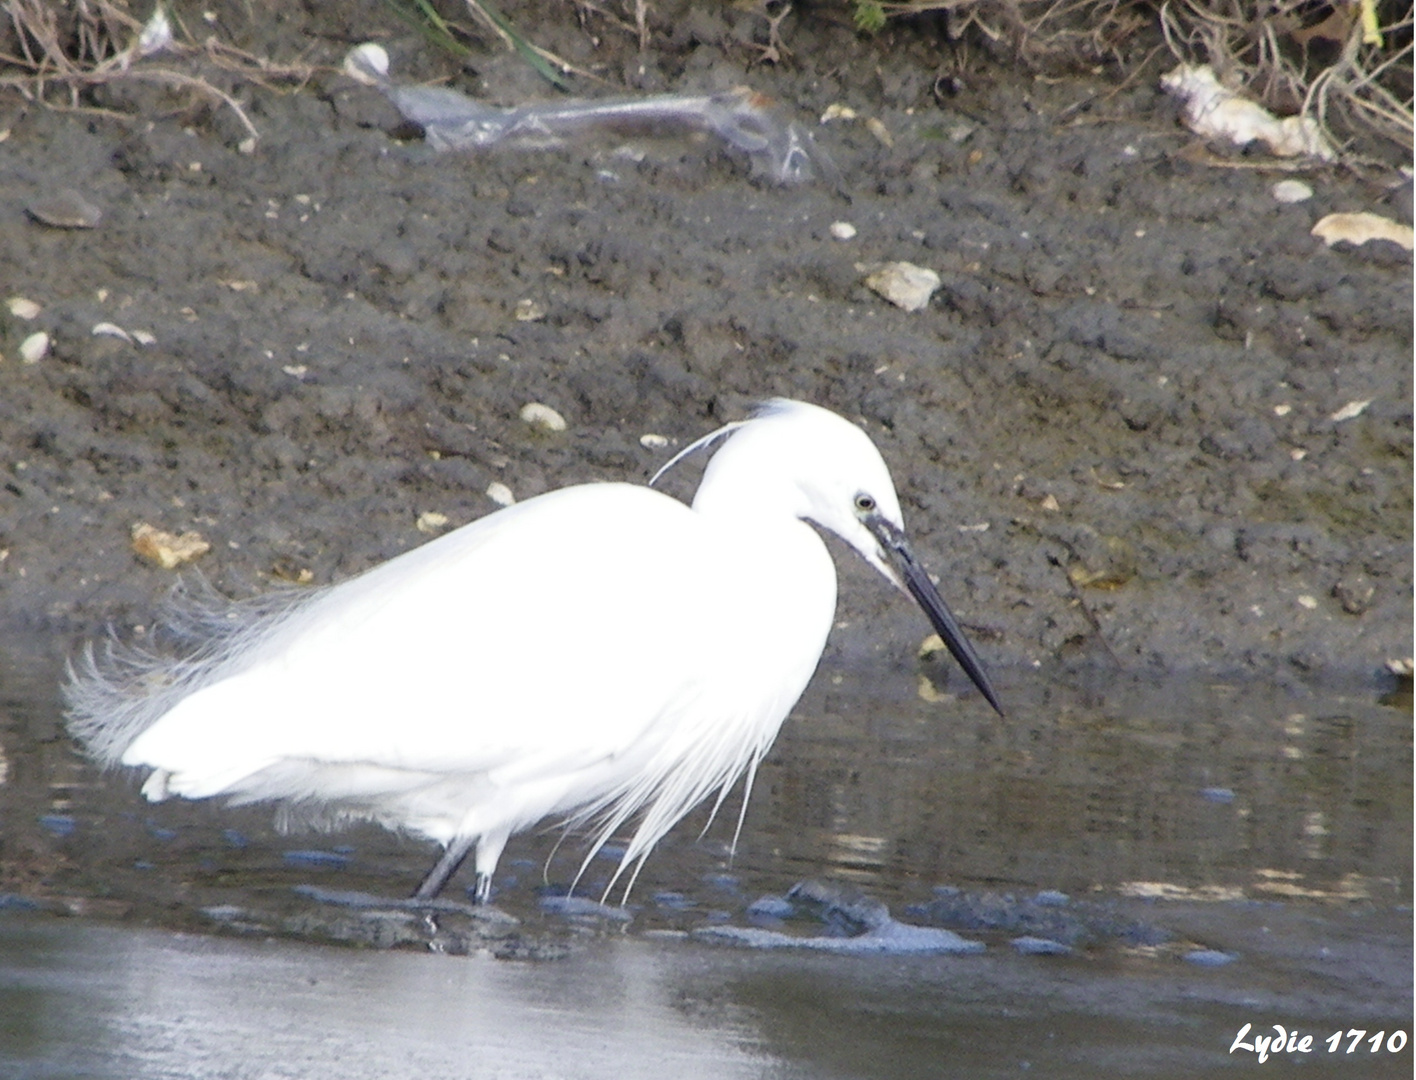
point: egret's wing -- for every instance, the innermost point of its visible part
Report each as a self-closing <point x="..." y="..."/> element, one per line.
<point x="545" y="637"/>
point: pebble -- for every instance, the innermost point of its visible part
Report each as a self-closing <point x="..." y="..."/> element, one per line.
<point x="34" y="348"/>
<point x="66" y="209"/>
<point x="1350" y="411"/>
<point x="904" y="284"/>
<point x="500" y="494"/>
<point x="542" y="416"/>
<point x="580" y="907"/>
<point x="653" y="442"/>
<point x="1036" y="946"/>
<point x="842" y="230"/>
<point x="430" y="521"/>
<point x="58" y="824"/>
<point x="166" y="549"/>
<point x="1210" y="958"/>
<point x="23" y="308"/>
<point x="1291" y="191"/>
<point x="771" y="907"/>
<point x="333" y="859"/>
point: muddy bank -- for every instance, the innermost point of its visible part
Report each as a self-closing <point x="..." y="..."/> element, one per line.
<point x="1113" y="426"/>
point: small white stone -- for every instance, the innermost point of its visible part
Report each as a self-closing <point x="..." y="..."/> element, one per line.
<point x="367" y="63"/>
<point x="430" y="521"/>
<point x="23" y="308"/>
<point x="500" y="494"/>
<point x="1308" y="602"/>
<point x="653" y="442"/>
<point x="529" y="311"/>
<point x="34" y="348"/>
<point x="542" y="416"/>
<point x="904" y="284"/>
<point x="842" y="230"/>
<point x="1350" y="410"/>
<point x="1291" y="191"/>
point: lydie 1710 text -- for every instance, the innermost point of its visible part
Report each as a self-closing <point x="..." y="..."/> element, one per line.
<point x="1283" y="1041"/>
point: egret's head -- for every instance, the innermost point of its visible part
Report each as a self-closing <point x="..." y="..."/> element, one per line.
<point x="803" y="460"/>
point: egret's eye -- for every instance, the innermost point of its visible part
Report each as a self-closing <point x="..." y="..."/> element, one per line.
<point x="864" y="503"/>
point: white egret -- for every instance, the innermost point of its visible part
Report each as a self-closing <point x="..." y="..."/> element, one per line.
<point x="599" y="652"/>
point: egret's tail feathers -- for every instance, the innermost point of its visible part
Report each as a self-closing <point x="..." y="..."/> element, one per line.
<point x="118" y="690"/>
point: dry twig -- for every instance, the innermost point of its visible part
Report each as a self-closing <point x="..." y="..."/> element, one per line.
<point x="99" y="41"/>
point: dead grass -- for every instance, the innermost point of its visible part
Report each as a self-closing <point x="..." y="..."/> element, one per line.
<point x="53" y="53"/>
<point x="1346" y="63"/>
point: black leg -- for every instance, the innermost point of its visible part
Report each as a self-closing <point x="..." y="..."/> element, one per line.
<point x="446" y="866"/>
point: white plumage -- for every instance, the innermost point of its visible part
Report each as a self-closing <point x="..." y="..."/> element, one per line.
<point x="596" y="653"/>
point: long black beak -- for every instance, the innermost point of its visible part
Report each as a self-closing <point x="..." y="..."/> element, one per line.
<point x="900" y="558"/>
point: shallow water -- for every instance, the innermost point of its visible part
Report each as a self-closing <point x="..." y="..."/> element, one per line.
<point x="1201" y="855"/>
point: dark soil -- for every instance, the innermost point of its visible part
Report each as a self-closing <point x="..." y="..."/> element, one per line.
<point x="1129" y="375"/>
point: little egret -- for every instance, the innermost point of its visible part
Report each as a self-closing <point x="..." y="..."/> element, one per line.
<point x="599" y="653"/>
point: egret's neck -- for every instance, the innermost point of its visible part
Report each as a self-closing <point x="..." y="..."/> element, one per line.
<point x="735" y="487"/>
<point x="756" y="504"/>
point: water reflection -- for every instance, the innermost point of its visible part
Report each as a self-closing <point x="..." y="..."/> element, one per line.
<point x="1127" y="786"/>
<point x="94" y="1002"/>
<point x="1272" y="824"/>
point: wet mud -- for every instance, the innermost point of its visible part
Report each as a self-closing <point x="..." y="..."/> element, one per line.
<point x="1118" y="425"/>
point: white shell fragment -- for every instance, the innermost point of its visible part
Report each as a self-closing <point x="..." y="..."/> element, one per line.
<point x="167" y="550"/>
<point x="430" y="521"/>
<point x="877" y="127"/>
<point x="904" y="284"/>
<point x="653" y="442"/>
<point x="23" y="308"/>
<point x="367" y="63"/>
<point x="1215" y="111"/>
<point x="1291" y="191"/>
<point x="843" y="230"/>
<point x="542" y="416"/>
<point x="1359" y="228"/>
<point x="108" y="329"/>
<point x="530" y="311"/>
<point x="1350" y="411"/>
<point x="34" y="348"/>
<point x="500" y="494"/>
